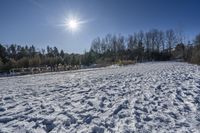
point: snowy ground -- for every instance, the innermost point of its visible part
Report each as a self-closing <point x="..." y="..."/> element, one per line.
<point x="147" y="97"/>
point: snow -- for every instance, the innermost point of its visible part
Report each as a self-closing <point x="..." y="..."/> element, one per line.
<point x="146" y="97"/>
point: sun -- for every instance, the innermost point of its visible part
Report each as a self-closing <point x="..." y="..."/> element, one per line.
<point x="72" y="24"/>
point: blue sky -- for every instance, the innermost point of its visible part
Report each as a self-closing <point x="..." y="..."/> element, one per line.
<point x="37" y="22"/>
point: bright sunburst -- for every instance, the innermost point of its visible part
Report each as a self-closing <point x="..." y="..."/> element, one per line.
<point x="72" y="24"/>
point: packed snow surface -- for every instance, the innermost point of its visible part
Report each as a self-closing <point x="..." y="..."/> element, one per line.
<point x="147" y="97"/>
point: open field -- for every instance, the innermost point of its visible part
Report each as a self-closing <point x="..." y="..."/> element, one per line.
<point x="146" y="97"/>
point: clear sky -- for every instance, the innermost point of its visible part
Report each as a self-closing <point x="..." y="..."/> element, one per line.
<point x="39" y="22"/>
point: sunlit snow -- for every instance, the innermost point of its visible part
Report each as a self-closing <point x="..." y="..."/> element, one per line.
<point x="146" y="97"/>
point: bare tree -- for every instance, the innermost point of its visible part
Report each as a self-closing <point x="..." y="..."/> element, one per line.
<point x="108" y="42"/>
<point x="197" y="40"/>
<point x="159" y="40"/>
<point x="162" y="40"/>
<point x="96" y="45"/>
<point x="170" y="39"/>
<point x="130" y="42"/>
<point x="120" y="43"/>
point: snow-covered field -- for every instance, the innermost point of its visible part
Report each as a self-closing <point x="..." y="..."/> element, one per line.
<point x="147" y="97"/>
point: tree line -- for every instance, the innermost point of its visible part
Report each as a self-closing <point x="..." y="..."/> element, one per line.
<point x="16" y="56"/>
<point x="153" y="45"/>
